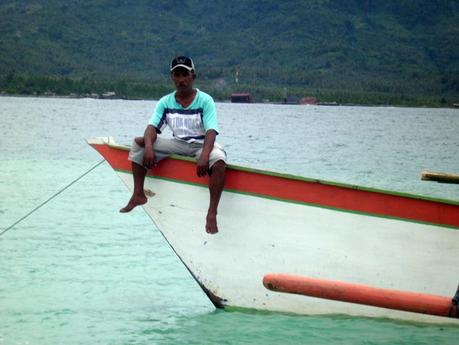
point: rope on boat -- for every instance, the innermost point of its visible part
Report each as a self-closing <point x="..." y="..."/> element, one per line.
<point x="51" y="197"/>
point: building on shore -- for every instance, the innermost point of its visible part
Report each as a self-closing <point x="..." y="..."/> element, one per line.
<point x="291" y="100"/>
<point x="241" y="98"/>
<point x="309" y="100"/>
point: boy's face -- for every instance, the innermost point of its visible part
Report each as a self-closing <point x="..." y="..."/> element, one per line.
<point x="182" y="78"/>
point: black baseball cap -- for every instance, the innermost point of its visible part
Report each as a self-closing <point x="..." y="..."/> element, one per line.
<point x="182" y="61"/>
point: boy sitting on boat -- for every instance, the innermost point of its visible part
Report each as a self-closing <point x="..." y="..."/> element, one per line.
<point x="192" y="117"/>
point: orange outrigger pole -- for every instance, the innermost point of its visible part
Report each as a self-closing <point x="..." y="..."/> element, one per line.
<point x="363" y="294"/>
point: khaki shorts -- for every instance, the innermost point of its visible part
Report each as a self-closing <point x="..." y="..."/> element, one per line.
<point x="165" y="147"/>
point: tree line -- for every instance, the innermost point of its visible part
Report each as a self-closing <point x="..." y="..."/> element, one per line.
<point x="12" y="84"/>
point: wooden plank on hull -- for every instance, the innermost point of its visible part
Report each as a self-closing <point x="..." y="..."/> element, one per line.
<point x="439" y="177"/>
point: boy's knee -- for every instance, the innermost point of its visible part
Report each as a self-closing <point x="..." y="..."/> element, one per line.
<point x="219" y="167"/>
<point x="140" y="141"/>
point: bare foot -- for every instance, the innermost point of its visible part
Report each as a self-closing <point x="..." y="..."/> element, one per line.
<point x="211" y="223"/>
<point x="136" y="200"/>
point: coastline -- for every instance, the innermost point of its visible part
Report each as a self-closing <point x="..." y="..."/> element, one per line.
<point x="220" y="100"/>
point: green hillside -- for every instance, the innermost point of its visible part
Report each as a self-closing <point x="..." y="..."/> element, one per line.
<point x="352" y="51"/>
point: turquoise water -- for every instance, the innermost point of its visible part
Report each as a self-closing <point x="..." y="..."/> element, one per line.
<point x="78" y="272"/>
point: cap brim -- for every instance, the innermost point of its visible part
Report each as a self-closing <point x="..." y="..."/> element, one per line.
<point x="181" y="65"/>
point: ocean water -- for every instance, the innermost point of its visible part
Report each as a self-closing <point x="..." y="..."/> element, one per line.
<point x="76" y="271"/>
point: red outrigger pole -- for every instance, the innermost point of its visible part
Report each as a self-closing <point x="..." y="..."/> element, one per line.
<point x="363" y="294"/>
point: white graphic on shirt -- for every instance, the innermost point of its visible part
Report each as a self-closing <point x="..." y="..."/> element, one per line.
<point x="185" y="125"/>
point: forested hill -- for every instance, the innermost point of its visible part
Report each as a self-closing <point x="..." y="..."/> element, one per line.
<point x="404" y="47"/>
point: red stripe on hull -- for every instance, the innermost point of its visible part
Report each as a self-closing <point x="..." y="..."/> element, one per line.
<point x="311" y="192"/>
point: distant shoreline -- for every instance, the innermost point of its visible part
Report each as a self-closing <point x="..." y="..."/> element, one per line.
<point x="453" y="106"/>
<point x="58" y="86"/>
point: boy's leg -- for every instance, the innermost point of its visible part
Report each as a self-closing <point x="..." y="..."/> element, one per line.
<point x="139" y="172"/>
<point x="217" y="164"/>
<point x="163" y="148"/>
<point x="138" y="196"/>
<point x="216" y="183"/>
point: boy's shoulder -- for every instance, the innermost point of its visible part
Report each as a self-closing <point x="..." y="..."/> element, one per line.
<point x="204" y="97"/>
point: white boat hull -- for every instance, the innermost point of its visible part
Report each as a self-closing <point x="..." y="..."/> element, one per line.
<point x="259" y="235"/>
<point x="273" y="223"/>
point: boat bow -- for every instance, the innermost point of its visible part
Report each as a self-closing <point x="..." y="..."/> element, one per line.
<point x="272" y="222"/>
